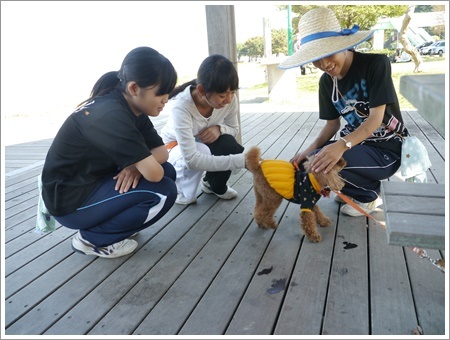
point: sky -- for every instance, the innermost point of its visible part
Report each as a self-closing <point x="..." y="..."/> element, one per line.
<point x="52" y="52"/>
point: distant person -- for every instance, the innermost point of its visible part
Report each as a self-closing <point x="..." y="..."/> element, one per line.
<point x="357" y="87"/>
<point x="203" y="123"/>
<point x="106" y="173"/>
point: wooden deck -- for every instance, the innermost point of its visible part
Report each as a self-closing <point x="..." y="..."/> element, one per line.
<point x="208" y="269"/>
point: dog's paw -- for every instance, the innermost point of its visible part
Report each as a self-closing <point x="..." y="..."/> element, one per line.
<point x="314" y="238"/>
<point x="321" y="219"/>
<point x="324" y="222"/>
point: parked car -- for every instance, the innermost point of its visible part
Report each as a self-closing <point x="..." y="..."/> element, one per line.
<point x="438" y="48"/>
<point x="427" y="49"/>
<point x="425" y="44"/>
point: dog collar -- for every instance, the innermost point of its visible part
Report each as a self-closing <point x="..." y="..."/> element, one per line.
<point x="323" y="191"/>
<point x="314" y="182"/>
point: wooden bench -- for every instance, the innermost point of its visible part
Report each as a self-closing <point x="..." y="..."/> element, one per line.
<point x="426" y="93"/>
<point x="415" y="214"/>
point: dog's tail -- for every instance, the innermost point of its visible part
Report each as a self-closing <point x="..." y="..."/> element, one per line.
<point x="253" y="157"/>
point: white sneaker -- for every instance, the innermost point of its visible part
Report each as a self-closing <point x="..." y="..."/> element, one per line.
<point x="367" y="207"/>
<point x="228" y="195"/>
<point x="183" y="200"/>
<point x="125" y="247"/>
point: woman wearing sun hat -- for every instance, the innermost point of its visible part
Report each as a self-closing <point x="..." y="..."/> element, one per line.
<point x="357" y="87"/>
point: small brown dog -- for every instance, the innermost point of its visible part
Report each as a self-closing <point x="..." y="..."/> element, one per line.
<point x="311" y="188"/>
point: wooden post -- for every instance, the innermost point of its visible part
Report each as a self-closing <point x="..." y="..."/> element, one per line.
<point x="221" y="28"/>
<point x="280" y="83"/>
<point x="267" y="34"/>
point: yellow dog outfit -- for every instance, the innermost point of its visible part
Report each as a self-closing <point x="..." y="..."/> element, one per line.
<point x="294" y="185"/>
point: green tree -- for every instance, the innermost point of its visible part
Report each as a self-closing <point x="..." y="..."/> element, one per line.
<point x="424" y="8"/>
<point x="254" y="47"/>
<point x="279" y="41"/>
<point x="241" y="50"/>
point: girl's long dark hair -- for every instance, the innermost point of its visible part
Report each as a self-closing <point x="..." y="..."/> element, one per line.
<point x="144" y="65"/>
<point x="216" y="73"/>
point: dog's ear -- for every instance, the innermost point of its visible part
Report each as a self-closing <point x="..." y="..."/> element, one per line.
<point x="307" y="163"/>
<point x="333" y="179"/>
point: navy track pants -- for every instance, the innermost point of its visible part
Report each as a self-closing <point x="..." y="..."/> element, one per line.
<point x="107" y="217"/>
<point x="366" y="167"/>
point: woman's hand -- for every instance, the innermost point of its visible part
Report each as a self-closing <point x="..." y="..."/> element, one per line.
<point x="127" y="178"/>
<point x="328" y="156"/>
<point x="298" y="158"/>
<point x="328" y="131"/>
<point x="209" y="135"/>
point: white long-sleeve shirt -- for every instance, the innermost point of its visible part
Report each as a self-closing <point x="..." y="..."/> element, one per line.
<point x="185" y="122"/>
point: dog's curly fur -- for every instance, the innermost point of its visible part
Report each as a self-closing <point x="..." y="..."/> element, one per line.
<point x="268" y="200"/>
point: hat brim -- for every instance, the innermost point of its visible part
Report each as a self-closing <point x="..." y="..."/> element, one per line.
<point x="321" y="48"/>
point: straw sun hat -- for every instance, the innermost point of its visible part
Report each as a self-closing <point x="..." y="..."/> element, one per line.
<point x="321" y="35"/>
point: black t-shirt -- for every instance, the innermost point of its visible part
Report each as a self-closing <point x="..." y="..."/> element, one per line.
<point x="97" y="140"/>
<point x="367" y="84"/>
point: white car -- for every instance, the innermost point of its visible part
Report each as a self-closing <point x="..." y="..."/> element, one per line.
<point x="425" y="44"/>
<point x="438" y="48"/>
<point x="427" y="49"/>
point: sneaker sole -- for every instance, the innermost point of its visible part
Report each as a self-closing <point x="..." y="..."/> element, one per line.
<point x="185" y="202"/>
<point x="226" y="198"/>
<point x="353" y="212"/>
<point x="78" y="251"/>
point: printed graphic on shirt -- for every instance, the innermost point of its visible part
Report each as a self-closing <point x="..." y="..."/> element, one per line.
<point x="349" y="111"/>
<point x="355" y="112"/>
<point x="84" y="106"/>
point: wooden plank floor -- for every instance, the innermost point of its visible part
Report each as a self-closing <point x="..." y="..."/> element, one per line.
<point x="208" y="269"/>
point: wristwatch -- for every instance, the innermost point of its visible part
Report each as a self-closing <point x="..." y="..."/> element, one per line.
<point x="347" y="144"/>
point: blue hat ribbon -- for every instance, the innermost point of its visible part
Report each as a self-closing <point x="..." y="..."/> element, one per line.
<point x="328" y="34"/>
